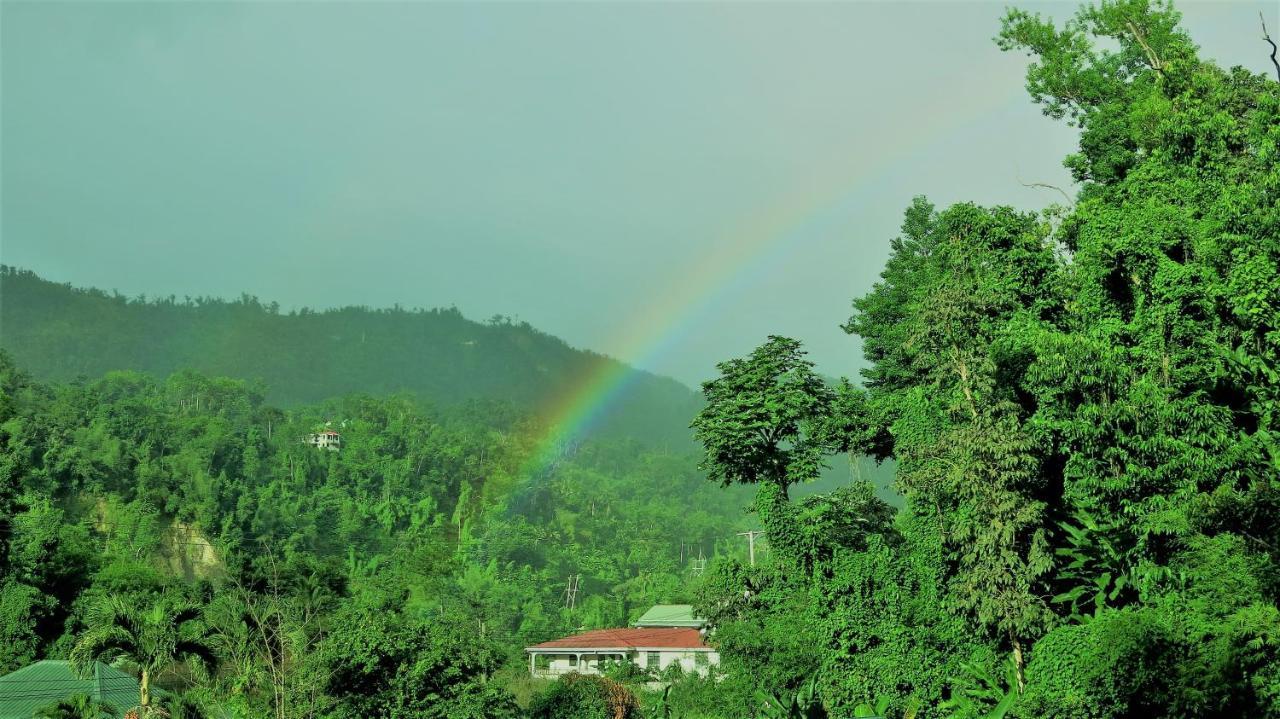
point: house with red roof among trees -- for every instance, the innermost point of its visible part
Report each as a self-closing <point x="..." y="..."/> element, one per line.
<point x="666" y="635"/>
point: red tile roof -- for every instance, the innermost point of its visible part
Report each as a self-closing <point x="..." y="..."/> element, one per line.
<point x="630" y="638"/>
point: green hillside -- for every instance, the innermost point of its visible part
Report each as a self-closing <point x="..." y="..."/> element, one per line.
<point x="59" y="333"/>
<point x="423" y="525"/>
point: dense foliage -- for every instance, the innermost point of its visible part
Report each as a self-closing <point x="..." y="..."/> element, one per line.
<point x="1082" y="405"/>
<point x="185" y="529"/>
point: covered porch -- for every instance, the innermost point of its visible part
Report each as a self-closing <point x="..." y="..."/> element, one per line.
<point x="551" y="663"/>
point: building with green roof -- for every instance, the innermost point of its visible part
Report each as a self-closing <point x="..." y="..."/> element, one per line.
<point x="670" y="615"/>
<point x="36" y="685"/>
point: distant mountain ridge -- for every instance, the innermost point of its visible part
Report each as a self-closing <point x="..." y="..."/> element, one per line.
<point x="59" y="332"/>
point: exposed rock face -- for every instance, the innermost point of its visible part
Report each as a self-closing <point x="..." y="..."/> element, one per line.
<point x="187" y="553"/>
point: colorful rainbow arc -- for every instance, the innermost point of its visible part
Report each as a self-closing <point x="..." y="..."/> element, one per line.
<point x="662" y="325"/>
<point x="765" y="237"/>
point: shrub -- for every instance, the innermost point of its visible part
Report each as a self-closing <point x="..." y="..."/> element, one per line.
<point x="580" y="696"/>
<point x="1121" y="664"/>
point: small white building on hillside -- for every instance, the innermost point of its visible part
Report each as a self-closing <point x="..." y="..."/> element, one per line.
<point x="326" y="439"/>
<point x="667" y="634"/>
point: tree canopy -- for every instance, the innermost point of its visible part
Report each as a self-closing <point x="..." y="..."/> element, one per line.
<point x="1081" y="404"/>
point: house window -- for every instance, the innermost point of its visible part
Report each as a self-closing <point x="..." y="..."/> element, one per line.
<point x="573" y="660"/>
<point x="653" y="659"/>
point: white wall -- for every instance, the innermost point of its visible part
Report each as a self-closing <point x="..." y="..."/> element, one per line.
<point x="586" y="664"/>
<point x="589" y="662"/>
<point x="686" y="659"/>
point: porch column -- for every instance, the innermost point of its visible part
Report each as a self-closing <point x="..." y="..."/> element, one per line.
<point x="532" y="662"/>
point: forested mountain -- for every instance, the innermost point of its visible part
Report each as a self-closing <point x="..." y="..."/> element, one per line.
<point x="59" y="333"/>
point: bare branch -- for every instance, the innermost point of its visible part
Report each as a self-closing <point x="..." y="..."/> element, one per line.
<point x="1047" y="186"/>
<point x="1268" y="545"/>
<point x="1152" y="58"/>
<point x="1267" y="36"/>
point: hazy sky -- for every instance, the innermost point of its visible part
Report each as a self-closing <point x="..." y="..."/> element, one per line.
<point x="667" y="183"/>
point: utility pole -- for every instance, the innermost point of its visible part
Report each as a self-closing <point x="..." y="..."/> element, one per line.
<point x="699" y="565"/>
<point x="751" y="543"/>
<point x="571" y="591"/>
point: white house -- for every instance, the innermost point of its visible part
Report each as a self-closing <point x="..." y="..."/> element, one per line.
<point x="654" y="648"/>
<point x="327" y="439"/>
<point x="666" y="634"/>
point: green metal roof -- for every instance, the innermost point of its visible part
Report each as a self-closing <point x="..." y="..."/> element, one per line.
<point x="669" y="615"/>
<point x="48" y="681"/>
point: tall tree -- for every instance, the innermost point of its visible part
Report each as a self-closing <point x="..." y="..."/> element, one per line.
<point x="948" y="327"/>
<point x="1158" y="386"/>
<point x="764" y="424"/>
<point x="151" y="638"/>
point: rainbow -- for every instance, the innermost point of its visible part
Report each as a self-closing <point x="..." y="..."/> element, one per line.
<point x="744" y="253"/>
<point x="663" y="324"/>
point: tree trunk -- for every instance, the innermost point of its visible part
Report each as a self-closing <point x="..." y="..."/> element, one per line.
<point x="144" y="694"/>
<point x="774" y="510"/>
<point x="965" y="385"/>
<point x="1018" y="665"/>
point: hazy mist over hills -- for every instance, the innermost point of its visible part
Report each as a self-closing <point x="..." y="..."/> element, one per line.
<point x="59" y="333"/>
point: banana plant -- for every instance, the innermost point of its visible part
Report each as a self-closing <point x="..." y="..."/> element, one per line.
<point x="663" y="710"/>
<point x="1100" y="566"/>
<point x="804" y="704"/>
<point x="872" y="711"/>
<point x="981" y="694"/>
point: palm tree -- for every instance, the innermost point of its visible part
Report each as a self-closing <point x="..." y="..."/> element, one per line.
<point x="79" y="706"/>
<point x="151" y="638"/>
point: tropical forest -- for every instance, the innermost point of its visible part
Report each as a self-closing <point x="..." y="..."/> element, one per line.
<point x="1050" y="490"/>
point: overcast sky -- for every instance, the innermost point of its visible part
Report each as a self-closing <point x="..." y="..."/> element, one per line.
<point x="667" y="183"/>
